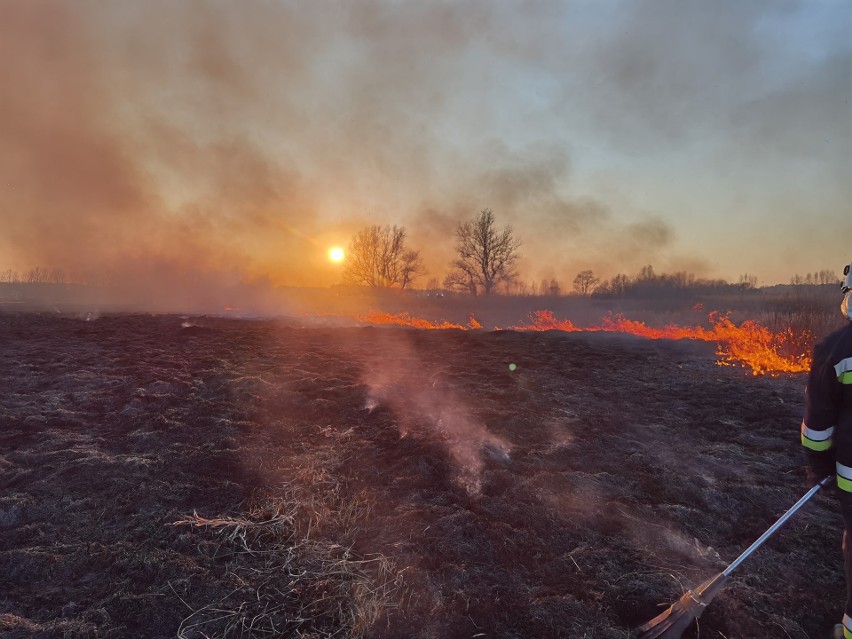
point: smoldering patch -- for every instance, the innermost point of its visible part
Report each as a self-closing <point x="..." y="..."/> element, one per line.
<point x="594" y="500"/>
<point x="665" y="545"/>
<point x="426" y="404"/>
<point x="422" y="412"/>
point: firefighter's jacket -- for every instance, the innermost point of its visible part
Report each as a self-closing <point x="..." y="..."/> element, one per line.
<point x="827" y="426"/>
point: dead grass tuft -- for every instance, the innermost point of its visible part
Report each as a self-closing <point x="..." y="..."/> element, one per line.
<point x="287" y="578"/>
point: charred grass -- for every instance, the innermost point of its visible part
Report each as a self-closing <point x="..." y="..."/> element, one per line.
<point x="199" y="477"/>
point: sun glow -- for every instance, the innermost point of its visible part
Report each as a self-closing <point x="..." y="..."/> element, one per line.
<point x="336" y="254"/>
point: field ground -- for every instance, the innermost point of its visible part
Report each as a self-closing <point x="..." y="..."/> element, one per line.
<point x="164" y="476"/>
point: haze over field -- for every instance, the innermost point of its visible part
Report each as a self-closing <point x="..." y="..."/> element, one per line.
<point x="158" y="142"/>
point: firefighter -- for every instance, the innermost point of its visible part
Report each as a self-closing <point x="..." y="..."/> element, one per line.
<point x="827" y="428"/>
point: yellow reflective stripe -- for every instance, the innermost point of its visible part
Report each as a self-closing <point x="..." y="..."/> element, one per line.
<point x="843" y="366"/>
<point x="847" y="627"/>
<point x="844" y="477"/>
<point x="818" y="440"/>
<point x="845" y="378"/>
<point x="817" y="446"/>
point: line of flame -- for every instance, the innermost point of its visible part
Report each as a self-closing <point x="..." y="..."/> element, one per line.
<point x="750" y="344"/>
<point x="405" y="319"/>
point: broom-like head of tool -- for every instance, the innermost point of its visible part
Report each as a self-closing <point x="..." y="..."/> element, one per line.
<point x="681" y="614"/>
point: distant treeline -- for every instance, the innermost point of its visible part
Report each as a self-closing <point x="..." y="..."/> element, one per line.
<point x="649" y="284"/>
<point x="646" y="284"/>
<point x="36" y="275"/>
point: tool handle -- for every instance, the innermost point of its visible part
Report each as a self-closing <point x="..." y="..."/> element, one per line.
<point x="773" y="529"/>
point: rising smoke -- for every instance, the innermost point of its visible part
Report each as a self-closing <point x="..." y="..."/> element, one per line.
<point x="171" y="147"/>
<point x="427" y="404"/>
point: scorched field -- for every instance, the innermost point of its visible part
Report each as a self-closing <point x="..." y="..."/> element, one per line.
<point x="164" y="476"/>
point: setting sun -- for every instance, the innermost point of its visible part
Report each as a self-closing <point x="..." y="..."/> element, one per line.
<point x="336" y="254"/>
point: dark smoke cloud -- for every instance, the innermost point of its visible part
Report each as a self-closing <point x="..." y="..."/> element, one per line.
<point x="179" y="145"/>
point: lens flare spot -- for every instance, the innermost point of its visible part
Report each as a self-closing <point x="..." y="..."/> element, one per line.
<point x="512" y="366"/>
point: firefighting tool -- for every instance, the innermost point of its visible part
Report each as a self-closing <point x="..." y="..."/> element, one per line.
<point x="673" y="622"/>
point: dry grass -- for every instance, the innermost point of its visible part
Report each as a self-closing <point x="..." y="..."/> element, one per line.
<point x="288" y="578"/>
<point x="115" y="427"/>
<point x="803" y="317"/>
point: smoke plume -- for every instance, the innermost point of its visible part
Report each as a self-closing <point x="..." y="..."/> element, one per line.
<point x="426" y="405"/>
<point x="172" y="146"/>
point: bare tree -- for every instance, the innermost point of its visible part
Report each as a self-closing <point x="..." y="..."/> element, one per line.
<point x="378" y="257"/>
<point x="646" y="274"/>
<point x="585" y="282"/>
<point x="549" y="287"/>
<point x="618" y="285"/>
<point x="747" y="282"/>
<point x="57" y="276"/>
<point x="828" y="277"/>
<point x="460" y="281"/>
<point x="486" y="255"/>
<point x="37" y="275"/>
<point x="409" y="267"/>
<point x="554" y="289"/>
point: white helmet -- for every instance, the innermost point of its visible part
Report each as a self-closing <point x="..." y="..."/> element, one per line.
<point x="846" y="287"/>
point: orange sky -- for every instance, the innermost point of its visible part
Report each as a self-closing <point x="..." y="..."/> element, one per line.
<point x="158" y="140"/>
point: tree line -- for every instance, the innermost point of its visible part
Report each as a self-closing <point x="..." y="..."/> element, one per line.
<point x="485" y="262"/>
<point x="37" y="275"/>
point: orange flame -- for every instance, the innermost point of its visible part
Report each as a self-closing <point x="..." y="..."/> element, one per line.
<point x="754" y="345"/>
<point x="544" y="321"/>
<point x="405" y="319"/>
<point x="750" y="344"/>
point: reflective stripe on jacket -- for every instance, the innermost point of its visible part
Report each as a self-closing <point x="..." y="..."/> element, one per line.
<point x="827" y="425"/>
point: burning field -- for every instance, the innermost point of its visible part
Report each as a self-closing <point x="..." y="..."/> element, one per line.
<point x="166" y="476"/>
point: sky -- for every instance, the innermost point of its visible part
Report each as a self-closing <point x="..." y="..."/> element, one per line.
<point x="237" y="141"/>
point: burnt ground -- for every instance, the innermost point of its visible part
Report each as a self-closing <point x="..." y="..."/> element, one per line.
<point x="393" y="483"/>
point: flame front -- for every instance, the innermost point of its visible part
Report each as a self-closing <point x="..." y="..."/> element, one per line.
<point x="405" y="319"/>
<point x="754" y="345"/>
<point x="750" y="344"/>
